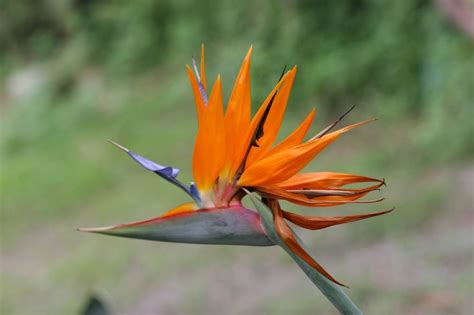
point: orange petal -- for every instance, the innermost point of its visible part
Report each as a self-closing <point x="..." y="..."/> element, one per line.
<point x="285" y="164"/>
<point x="296" y="137"/>
<point x="240" y="152"/>
<point x="326" y="201"/>
<point x="200" y="106"/>
<point x="274" y="119"/>
<point x="203" y="68"/>
<point x="323" y="180"/>
<point x="319" y="222"/>
<point x="210" y="146"/>
<point x="237" y="116"/>
<point x="185" y="207"/>
<point x="329" y="191"/>
<point x="287" y="236"/>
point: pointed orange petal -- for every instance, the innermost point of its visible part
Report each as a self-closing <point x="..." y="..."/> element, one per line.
<point x="283" y="165"/>
<point x="274" y="119"/>
<point x="234" y="108"/>
<point x="200" y="106"/>
<point x="321" y="180"/>
<point x="287" y="236"/>
<point x="296" y="137"/>
<point x="237" y="116"/>
<point x="319" y="222"/>
<point x="325" y="201"/>
<point x="240" y="152"/>
<point x="327" y="192"/>
<point x="210" y="146"/>
<point x="203" y="68"/>
<point x="185" y="207"/>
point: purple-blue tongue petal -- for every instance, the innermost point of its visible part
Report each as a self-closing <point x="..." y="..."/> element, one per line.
<point x="194" y="192"/>
<point x="202" y="91"/>
<point x="167" y="172"/>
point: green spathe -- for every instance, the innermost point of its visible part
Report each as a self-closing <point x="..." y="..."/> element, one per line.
<point x="224" y="226"/>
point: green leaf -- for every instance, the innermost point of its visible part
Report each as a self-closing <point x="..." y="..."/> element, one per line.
<point x="332" y="291"/>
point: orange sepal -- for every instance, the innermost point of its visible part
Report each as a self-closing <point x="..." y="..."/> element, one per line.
<point x="331" y="194"/>
<point x="323" y="192"/>
<point x="321" y="222"/>
<point x="296" y="137"/>
<point x="274" y="119"/>
<point x="203" y="68"/>
<point x="283" y="165"/>
<point x="185" y="207"/>
<point x="321" y="180"/>
<point x="326" y="201"/>
<point x="237" y="116"/>
<point x="210" y="145"/>
<point x="287" y="236"/>
<point x="200" y="106"/>
<point x="241" y="151"/>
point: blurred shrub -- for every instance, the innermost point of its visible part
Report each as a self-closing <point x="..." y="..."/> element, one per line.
<point x="94" y="306"/>
<point x="400" y="58"/>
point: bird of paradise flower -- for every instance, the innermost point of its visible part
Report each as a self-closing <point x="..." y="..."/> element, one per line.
<point x="235" y="155"/>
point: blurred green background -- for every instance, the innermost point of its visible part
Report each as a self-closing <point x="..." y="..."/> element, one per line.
<point x="75" y="73"/>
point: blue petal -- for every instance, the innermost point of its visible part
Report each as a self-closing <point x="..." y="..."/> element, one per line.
<point x="203" y="93"/>
<point x="165" y="171"/>
<point x="194" y="192"/>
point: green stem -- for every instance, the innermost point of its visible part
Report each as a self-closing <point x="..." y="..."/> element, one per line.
<point x="331" y="290"/>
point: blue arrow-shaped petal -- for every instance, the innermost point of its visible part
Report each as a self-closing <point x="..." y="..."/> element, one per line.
<point x="166" y="172"/>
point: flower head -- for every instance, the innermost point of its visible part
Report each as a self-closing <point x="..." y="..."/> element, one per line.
<point x="234" y="152"/>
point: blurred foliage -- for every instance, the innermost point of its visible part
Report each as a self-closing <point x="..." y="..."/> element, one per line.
<point x="400" y="59"/>
<point x="95" y="306"/>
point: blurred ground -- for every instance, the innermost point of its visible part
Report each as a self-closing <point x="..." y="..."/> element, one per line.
<point x="76" y="74"/>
